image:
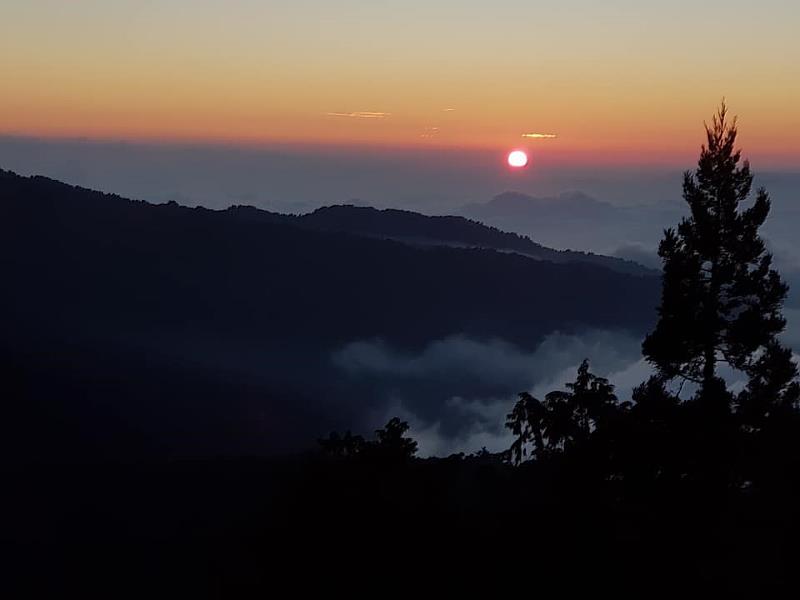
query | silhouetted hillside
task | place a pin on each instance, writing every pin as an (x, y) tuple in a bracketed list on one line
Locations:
[(183, 330), (418, 229)]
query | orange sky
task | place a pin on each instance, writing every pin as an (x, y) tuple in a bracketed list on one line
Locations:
[(620, 82)]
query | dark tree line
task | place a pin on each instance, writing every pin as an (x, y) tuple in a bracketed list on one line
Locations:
[(390, 444)]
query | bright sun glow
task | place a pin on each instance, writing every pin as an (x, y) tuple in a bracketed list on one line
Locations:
[(517, 159)]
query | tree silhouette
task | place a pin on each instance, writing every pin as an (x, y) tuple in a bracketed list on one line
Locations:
[(526, 421), (721, 300), (565, 420), (342, 446), (391, 444), (772, 390)]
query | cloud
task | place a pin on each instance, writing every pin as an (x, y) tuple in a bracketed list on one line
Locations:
[(791, 335), (495, 359), (540, 136), (448, 109), (433, 441), (360, 115), (639, 253), (455, 392)]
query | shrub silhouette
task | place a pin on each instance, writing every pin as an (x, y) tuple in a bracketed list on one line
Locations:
[(565, 420)]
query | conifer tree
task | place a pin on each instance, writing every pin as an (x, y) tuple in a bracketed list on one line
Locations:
[(721, 299)]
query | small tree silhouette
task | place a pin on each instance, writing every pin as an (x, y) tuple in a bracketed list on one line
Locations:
[(526, 421), (392, 443), (565, 420), (342, 446)]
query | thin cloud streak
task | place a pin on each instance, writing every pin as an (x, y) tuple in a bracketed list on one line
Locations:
[(360, 115), (540, 136)]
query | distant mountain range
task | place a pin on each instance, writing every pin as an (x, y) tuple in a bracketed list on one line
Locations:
[(576, 220), (130, 327), (568, 204)]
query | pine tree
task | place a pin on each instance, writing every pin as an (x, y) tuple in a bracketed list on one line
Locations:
[(721, 299)]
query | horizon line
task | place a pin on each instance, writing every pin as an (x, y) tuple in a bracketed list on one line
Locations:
[(612, 157)]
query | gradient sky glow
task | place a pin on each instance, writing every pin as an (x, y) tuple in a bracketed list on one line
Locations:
[(620, 80)]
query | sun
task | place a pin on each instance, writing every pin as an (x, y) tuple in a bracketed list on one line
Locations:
[(517, 159)]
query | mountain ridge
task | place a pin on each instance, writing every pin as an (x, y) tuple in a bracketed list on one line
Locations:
[(198, 332), (412, 227)]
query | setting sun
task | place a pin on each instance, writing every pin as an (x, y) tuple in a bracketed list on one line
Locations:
[(517, 159)]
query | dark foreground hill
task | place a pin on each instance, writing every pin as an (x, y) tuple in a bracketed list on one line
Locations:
[(131, 327), (241, 528)]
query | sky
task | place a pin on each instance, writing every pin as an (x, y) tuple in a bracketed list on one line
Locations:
[(617, 82)]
